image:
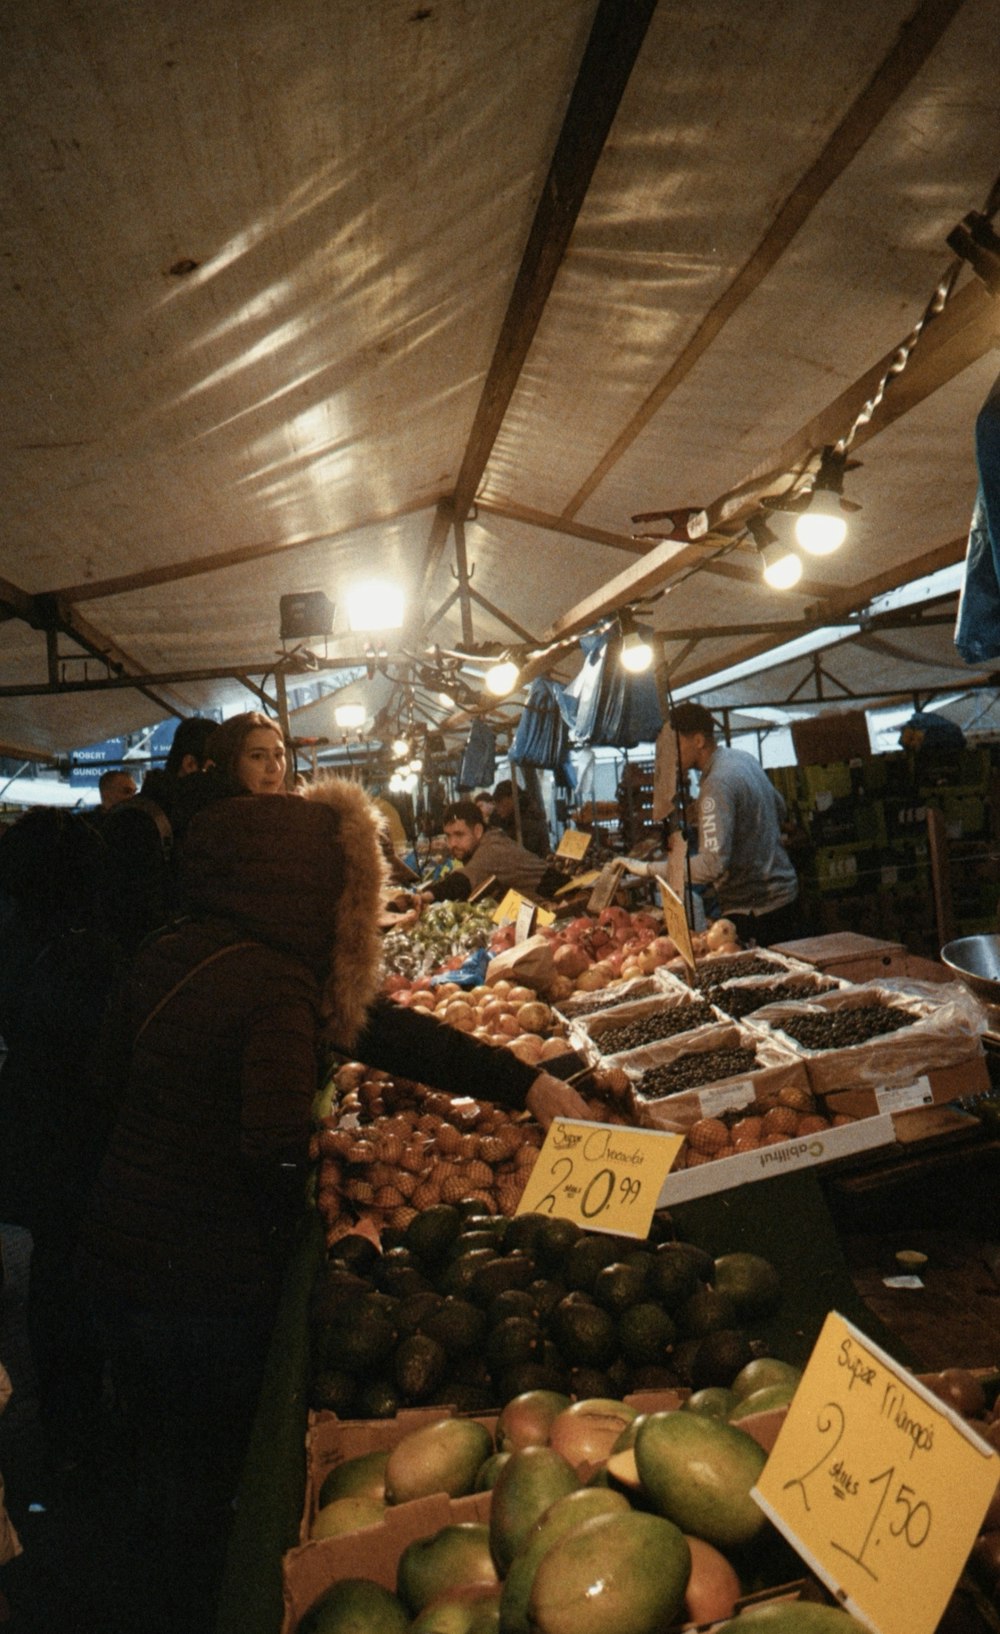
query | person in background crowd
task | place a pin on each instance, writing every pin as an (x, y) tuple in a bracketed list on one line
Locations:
[(114, 787), (534, 828), (490, 853), (139, 835), (740, 851), (57, 965), (484, 800), (194, 1208), (249, 751)]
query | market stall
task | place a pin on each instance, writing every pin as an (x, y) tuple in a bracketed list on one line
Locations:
[(406, 1304)]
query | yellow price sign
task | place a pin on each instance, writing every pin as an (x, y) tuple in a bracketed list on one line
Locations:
[(676, 920), (604, 1176), (508, 908), (574, 843), (878, 1485)]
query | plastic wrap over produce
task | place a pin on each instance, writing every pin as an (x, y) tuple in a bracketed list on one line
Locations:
[(880, 1035)]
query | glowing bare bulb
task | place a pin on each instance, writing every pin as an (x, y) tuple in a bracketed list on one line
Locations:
[(502, 678)]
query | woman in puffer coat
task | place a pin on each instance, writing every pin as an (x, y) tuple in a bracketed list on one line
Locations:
[(222, 1024)]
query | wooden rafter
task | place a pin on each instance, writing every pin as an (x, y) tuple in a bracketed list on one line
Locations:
[(616, 37), (966, 329), (917, 40)]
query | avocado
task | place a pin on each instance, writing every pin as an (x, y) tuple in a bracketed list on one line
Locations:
[(512, 1341), (456, 1557), (469, 1398), (554, 1240), (379, 1398), (514, 1270), (355, 1605), (512, 1302), (467, 1241), (705, 1311), (430, 1234), (413, 1311), (335, 1391), (615, 1574), (525, 1376), (532, 1479), (456, 1278), (618, 1286), (584, 1332), (418, 1367), (590, 1384), (562, 1517), (457, 1326), (672, 1276), (588, 1255), (444, 1456), (752, 1283), (546, 1295), (719, 1358), (698, 1471), (645, 1333), (524, 1231), (333, 1291), (355, 1253), (356, 1347)]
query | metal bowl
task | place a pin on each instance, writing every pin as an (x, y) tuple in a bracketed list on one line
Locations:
[(975, 960)]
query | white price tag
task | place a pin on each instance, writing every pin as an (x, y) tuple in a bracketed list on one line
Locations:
[(919, 1093)]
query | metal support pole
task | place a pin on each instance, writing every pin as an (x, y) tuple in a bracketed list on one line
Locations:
[(462, 567)]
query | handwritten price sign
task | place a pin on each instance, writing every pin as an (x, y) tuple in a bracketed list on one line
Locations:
[(879, 1485), (603, 1176)]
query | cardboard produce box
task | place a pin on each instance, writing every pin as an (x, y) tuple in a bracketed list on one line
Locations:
[(945, 1033), (746, 1168), (588, 1033), (849, 955), (777, 1067), (331, 1441)]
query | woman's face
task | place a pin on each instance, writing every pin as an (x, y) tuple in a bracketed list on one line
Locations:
[(260, 764)]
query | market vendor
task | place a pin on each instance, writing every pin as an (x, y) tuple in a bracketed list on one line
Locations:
[(740, 852), (489, 854)]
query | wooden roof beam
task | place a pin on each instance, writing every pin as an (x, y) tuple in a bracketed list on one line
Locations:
[(967, 328), (616, 38), (916, 41)]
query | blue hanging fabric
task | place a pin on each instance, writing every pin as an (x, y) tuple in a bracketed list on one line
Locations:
[(542, 736), (977, 627), (614, 709), (478, 767)]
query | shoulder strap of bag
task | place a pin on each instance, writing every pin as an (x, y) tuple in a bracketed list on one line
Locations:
[(210, 958)]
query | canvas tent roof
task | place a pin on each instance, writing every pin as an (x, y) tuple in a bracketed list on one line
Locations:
[(299, 294)]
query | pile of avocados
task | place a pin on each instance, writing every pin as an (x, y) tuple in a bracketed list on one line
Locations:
[(473, 1309)]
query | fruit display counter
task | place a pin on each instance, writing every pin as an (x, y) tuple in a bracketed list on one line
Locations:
[(418, 1292)]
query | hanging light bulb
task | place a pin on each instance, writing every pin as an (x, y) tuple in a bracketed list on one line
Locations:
[(502, 677), (780, 567), (636, 654), (821, 528), (401, 748), (416, 764), (349, 716), (375, 605)]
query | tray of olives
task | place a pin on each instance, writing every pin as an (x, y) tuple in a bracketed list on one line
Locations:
[(871, 1035), (615, 1036)]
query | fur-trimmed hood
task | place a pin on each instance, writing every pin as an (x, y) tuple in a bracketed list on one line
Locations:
[(303, 874)]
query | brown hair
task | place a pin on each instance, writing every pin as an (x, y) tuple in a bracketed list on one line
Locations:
[(225, 745)]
